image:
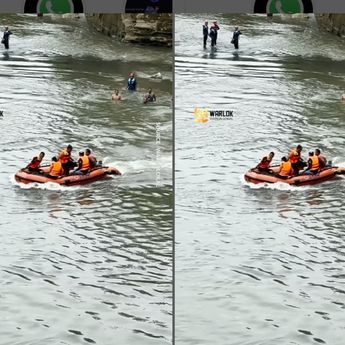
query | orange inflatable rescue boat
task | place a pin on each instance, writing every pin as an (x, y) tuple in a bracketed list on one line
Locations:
[(95, 174), (254, 176)]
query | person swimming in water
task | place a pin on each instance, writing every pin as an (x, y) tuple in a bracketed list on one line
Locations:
[(116, 95), (150, 97)]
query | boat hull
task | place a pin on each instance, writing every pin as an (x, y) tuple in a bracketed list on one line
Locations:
[(256, 177), (24, 176)]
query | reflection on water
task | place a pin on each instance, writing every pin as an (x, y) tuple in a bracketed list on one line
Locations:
[(258, 264), (88, 263)]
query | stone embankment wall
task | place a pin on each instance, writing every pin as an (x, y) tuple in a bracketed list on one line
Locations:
[(153, 29)]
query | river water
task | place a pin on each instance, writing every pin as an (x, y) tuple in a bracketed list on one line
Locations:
[(90, 264), (258, 264)]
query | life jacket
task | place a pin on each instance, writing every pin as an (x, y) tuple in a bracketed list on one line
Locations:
[(64, 156), (265, 164), (315, 165), (35, 163), (294, 156), (132, 84), (55, 169), (85, 163), (285, 168)]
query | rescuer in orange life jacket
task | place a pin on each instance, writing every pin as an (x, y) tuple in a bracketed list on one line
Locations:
[(322, 158), (313, 164), (56, 169), (264, 165), (83, 164), (296, 159), (34, 165), (285, 169), (65, 157), (92, 158)]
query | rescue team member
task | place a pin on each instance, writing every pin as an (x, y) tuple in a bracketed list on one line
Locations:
[(322, 158), (131, 83), (83, 164), (296, 159), (285, 169), (92, 158), (264, 165), (313, 164), (56, 169), (65, 157), (34, 165)]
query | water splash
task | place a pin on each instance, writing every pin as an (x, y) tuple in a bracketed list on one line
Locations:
[(43, 186)]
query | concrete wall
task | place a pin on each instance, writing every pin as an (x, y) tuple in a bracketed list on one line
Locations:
[(334, 23), (153, 29)]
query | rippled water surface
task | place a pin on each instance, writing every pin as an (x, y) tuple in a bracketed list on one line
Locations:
[(258, 265), (90, 264)]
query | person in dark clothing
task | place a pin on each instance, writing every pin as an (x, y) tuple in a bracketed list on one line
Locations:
[(212, 35), (6, 38), (149, 97), (215, 28), (132, 83), (205, 33), (235, 37)]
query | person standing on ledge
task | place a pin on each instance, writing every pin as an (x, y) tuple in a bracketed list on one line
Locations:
[(6, 38), (236, 37), (205, 33), (212, 35), (215, 28), (132, 83)]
